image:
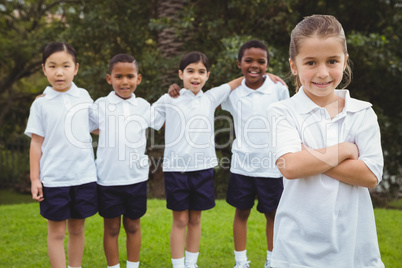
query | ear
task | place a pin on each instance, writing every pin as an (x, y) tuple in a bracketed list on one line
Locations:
[(139, 79), (208, 73), (44, 69), (76, 68), (293, 67), (181, 74), (346, 61), (109, 79), (239, 64)]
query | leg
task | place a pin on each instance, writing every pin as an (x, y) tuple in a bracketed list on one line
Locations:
[(55, 243), (240, 228), (194, 231), (111, 230), (76, 241), (133, 244), (270, 229), (177, 235)]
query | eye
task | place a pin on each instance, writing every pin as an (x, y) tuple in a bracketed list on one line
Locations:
[(263, 62), (118, 76), (310, 63), (130, 76), (332, 61)]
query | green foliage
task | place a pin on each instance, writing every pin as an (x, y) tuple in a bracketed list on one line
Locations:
[(100, 29), (24, 231)]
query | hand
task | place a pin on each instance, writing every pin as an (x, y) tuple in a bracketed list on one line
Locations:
[(40, 96), (276, 79), (37, 190), (174, 91)]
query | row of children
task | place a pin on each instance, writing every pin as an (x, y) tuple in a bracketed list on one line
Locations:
[(326, 145)]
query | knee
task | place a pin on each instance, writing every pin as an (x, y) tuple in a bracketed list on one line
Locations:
[(180, 222), (57, 235), (270, 215), (194, 220), (242, 214), (112, 229), (133, 227)]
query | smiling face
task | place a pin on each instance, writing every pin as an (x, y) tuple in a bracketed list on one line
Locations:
[(60, 70), (253, 65), (194, 76), (319, 65), (124, 79)]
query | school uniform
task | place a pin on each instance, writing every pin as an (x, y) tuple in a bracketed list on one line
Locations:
[(320, 221), (67, 160), (253, 163), (189, 145), (122, 165)]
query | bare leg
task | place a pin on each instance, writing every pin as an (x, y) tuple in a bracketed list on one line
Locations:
[(240, 228), (177, 235), (270, 229), (194, 231), (111, 230), (76, 241), (55, 243), (133, 244)]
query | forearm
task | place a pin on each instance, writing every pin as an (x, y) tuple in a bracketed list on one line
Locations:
[(309, 162), (235, 83), (353, 172), (35, 154)]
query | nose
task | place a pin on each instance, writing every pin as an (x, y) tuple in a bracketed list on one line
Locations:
[(59, 71), (322, 71)]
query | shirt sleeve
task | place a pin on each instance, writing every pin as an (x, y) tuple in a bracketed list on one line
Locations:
[(35, 121), (218, 94), (94, 116), (158, 113), (284, 133), (284, 93), (368, 140)]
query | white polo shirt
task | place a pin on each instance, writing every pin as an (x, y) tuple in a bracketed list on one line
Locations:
[(252, 153), (320, 221), (120, 157), (189, 130), (62, 118)]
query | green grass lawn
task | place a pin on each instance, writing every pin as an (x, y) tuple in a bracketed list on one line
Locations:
[(23, 237)]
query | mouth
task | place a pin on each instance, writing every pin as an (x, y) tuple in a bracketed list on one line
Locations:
[(323, 84), (195, 83), (254, 73)]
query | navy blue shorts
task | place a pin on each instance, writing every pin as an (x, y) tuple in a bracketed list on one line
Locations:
[(128, 200), (76, 202), (242, 191), (192, 190)]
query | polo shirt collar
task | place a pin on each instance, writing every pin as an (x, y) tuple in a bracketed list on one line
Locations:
[(265, 88), (113, 98), (305, 105), (189, 93), (50, 93)]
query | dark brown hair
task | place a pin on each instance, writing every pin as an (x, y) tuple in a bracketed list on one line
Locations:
[(194, 57), (57, 47)]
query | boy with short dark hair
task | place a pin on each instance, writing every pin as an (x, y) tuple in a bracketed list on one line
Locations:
[(253, 171)]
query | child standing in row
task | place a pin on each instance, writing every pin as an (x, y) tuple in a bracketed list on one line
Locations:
[(329, 150), (122, 166), (63, 174), (253, 171), (189, 155)]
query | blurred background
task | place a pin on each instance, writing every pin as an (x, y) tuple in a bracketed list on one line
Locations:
[(157, 33)]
